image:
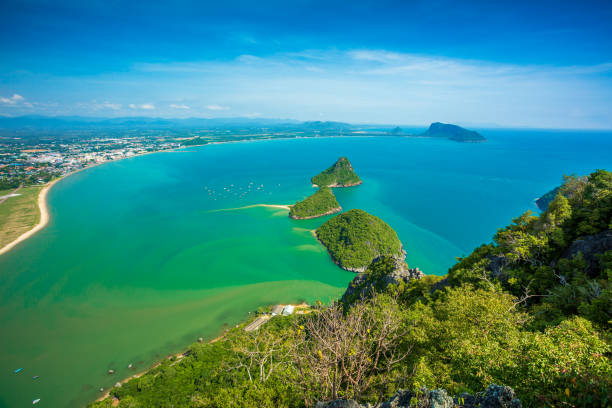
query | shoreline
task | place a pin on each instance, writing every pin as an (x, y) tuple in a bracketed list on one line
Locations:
[(43, 205), (330, 212), (42, 201), (246, 207), (340, 185), (180, 355), (42, 222)]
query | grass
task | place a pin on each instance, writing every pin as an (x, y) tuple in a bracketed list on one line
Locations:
[(18, 214)]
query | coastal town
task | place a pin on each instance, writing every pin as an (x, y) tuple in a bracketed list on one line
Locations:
[(26, 164)]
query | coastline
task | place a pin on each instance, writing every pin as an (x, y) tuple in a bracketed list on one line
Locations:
[(180, 355), (43, 204), (340, 185), (42, 222), (332, 211), (246, 207)]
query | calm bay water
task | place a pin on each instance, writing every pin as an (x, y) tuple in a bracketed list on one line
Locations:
[(137, 262)]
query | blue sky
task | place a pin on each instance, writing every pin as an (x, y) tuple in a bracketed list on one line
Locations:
[(479, 63)]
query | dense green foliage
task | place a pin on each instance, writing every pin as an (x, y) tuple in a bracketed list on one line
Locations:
[(321, 202), (525, 311), (532, 254), (338, 175), (196, 141), (355, 238)]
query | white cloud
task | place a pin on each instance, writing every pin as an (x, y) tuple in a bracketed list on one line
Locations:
[(113, 106), (217, 107), (13, 100), (145, 106), (175, 106)]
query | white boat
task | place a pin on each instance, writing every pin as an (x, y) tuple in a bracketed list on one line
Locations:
[(36, 401)]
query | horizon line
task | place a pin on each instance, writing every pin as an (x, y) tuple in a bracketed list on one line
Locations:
[(398, 124)]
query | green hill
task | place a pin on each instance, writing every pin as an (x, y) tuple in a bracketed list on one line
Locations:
[(355, 238), (322, 202), (453, 132), (341, 174), (530, 310)]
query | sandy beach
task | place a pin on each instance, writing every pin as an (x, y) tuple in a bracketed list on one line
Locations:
[(44, 218), (281, 206)]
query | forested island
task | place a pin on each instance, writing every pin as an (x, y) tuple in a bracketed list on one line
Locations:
[(340, 174), (453, 132), (322, 202), (355, 238), (531, 310)]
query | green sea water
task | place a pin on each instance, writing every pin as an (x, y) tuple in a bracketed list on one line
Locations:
[(138, 261)]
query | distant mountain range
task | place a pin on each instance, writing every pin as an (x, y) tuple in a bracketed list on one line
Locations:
[(60, 124)]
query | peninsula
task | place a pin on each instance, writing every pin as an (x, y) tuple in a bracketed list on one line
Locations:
[(341, 174), (453, 132), (355, 238), (322, 202)]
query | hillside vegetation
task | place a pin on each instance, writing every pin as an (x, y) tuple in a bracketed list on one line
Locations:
[(531, 310), (355, 238), (320, 203), (341, 174)]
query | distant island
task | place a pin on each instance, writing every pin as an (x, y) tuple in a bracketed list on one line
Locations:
[(322, 202), (453, 132), (355, 238), (341, 174)]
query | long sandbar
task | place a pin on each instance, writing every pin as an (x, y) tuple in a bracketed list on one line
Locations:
[(281, 206)]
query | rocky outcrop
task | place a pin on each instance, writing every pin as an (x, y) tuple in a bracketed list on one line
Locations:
[(495, 396), (496, 266), (398, 272), (590, 247)]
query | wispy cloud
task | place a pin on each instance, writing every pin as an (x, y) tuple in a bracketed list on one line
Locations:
[(15, 100), (217, 107), (364, 85), (144, 106), (112, 106)]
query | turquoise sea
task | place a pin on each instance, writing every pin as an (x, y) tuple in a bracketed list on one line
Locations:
[(138, 262)]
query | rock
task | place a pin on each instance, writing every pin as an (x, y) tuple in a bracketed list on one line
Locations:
[(424, 398), (340, 403), (200, 340), (496, 266), (117, 384), (101, 389), (401, 272), (590, 246), (495, 396), (396, 271)]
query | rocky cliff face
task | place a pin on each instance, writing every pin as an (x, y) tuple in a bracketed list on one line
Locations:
[(590, 247), (382, 272), (495, 396)]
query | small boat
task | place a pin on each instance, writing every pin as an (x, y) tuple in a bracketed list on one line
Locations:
[(36, 401), (36, 377), (17, 370)]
